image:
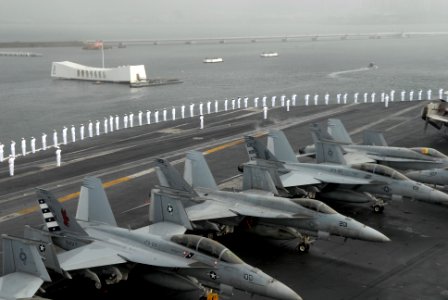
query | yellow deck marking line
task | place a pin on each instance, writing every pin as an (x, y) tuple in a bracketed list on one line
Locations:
[(29, 210), (229, 144)]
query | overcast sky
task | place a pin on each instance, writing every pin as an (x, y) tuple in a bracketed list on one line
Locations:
[(91, 19)]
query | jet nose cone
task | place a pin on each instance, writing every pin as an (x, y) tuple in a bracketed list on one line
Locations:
[(372, 235), (438, 197), (278, 290)]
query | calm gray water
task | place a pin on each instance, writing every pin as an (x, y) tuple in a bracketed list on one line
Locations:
[(31, 102)]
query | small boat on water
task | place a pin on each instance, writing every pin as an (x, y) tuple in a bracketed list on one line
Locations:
[(269, 54), (213, 60), (372, 65)]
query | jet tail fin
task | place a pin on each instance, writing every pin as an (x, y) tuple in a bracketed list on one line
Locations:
[(329, 153), (21, 255), (256, 150), (197, 172), (93, 205), (169, 177), (319, 134), (55, 216), (45, 246), (279, 145), (337, 130), (373, 138), (168, 206), (256, 177)]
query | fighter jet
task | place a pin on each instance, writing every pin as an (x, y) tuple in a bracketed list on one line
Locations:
[(436, 114), (23, 269), (421, 164), (98, 248), (334, 178), (268, 215)]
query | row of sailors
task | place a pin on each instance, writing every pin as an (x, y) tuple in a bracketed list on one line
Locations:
[(112, 123)]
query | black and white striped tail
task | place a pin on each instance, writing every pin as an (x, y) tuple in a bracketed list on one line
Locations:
[(50, 220)]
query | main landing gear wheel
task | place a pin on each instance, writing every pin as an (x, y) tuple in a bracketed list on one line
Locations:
[(378, 209), (303, 247), (304, 244)]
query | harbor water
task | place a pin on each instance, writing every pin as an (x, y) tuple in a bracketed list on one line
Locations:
[(31, 102)]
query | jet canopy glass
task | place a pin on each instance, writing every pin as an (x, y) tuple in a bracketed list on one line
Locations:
[(380, 170), (315, 205), (430, 152), (207, 246)]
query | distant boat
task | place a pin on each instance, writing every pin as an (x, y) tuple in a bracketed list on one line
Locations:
[(269, 54), (98, 45), (213, 60)]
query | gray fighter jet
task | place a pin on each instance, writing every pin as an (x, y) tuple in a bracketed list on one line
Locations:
[(98, 248), (435, 113), (337, 180), (268, 215), (421, 164), (23, 269)]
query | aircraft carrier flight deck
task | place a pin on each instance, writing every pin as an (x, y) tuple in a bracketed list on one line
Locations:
[(411, 266)]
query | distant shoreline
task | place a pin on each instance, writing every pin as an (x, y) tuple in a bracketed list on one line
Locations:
[(41, 44)]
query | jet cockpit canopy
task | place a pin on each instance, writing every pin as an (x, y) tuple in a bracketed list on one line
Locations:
[(431, 152), (207, 247), (380, 170), (315, 205)]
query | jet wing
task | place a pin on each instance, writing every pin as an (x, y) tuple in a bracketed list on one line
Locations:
[(95, 254), (435, 117), (208, 210), (19, 285), (299, 179), (258, 192), (163, 229), (399, 159), (358, 158), (337, 179)]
